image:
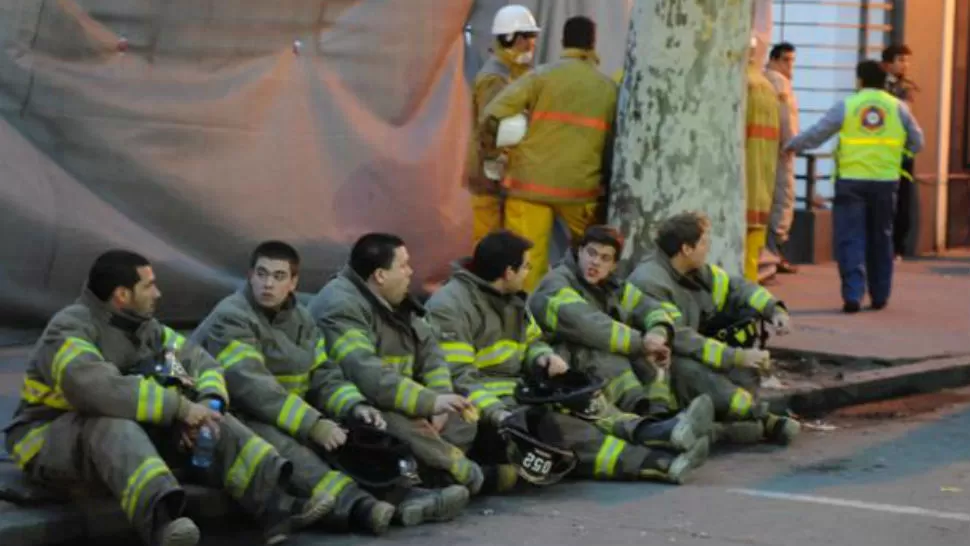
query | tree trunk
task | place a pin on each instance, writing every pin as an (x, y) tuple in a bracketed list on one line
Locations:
[(680, 123)]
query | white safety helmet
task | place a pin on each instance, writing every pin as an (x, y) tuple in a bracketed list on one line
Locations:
[(513, 18), (511, 131)]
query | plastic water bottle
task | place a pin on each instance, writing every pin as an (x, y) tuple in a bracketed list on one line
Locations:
[(205, 444)]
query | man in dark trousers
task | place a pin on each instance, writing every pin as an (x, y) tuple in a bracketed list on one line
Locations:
[(895, 61), (874, 129)]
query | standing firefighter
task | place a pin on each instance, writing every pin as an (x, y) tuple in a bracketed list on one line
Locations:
[(781, 64), (515, 31), (109, 390), (875, 129), (713, 314), (495, 349), (560, 167), (378, 334), (291, 394), (760, 161)]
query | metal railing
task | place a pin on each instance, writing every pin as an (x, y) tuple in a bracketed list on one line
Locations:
[(811, 178)]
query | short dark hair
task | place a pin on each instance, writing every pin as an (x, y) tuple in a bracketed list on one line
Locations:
[(604, 235), (112, 269), (871, 74), (685, 228), (276, 250), (579, 32), (895, 50), (780, 49), (497, 252), (374, 251)]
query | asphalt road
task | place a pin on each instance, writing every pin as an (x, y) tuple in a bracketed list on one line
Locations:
[(888, 474)]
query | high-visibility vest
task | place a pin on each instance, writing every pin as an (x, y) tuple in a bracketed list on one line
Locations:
[(872, 138)]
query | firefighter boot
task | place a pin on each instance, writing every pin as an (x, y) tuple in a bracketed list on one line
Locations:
[(738, 433), (499, 478), (372, 515), (424, 505), (675, 467), (682, 431), (285, 514), (781, 430), (179, 532)]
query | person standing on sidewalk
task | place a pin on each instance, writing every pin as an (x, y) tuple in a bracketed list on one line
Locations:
[(874, 128), (781, 62), (895, 61)]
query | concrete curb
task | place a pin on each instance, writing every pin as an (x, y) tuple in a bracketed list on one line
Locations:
[(873, 385)]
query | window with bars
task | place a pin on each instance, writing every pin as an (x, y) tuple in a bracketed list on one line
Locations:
[(830, 37)]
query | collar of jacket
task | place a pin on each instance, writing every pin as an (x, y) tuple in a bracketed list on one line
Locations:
[(507, 58), (410, 306), (692, 281), (461, 273), (271, 315), (125, 321), (609, 284), (587, 55)]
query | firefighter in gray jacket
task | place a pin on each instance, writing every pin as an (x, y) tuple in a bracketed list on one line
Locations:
[(291, 394), (107, 383), (377, 333)]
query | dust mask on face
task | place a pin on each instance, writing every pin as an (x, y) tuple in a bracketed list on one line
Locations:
[(524, 58)]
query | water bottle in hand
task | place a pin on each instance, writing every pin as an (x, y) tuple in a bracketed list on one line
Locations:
[(205, 444)]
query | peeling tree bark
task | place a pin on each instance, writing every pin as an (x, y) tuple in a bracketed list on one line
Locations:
[(680, 123)]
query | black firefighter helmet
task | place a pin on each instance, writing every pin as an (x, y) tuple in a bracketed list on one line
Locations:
[(375, 459), (537, 461), (577, 392), (744, 330)]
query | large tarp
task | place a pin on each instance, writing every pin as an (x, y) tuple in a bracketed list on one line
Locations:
[(190, 130)]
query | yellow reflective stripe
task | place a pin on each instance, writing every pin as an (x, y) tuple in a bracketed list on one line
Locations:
[(244, 466), (406, 397), (297, 384), (461, 470), (458, 352), (740, 403), (672, 310), (620, 337), (532, 332), (607, 457), (713, 352), (659, 391), (350, 341), (148, 470), (438, 378), (536, 350), (621, 384), (151, 397), (759, 299), (403, 364), (333, 483), (498, 353), (565, 296), (292, 414), (236, 352), (72, 348), (658, 317), (502, 387), (631, 298), (341, 398), (212, 382), (891, 142), (172, 339), (35, 392), (722, 283), (483, 399), (320, 354), (29, 446)]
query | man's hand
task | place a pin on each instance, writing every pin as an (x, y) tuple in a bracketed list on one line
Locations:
[(369, 415), (755, 359), (195, 415), (327, 434), (553, 363), (781, 323), (656, 349), (450, 403), (438, 422)]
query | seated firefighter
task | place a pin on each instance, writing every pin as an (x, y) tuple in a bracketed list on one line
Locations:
[(715, 315), (500, 361), (607, 327), (289, 392), (108, 393), (377, 333)]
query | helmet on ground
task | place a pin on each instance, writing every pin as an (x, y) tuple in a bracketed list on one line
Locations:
[(743, 331), (514, 18), (375, 459), (577, 392), (537, 461)]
